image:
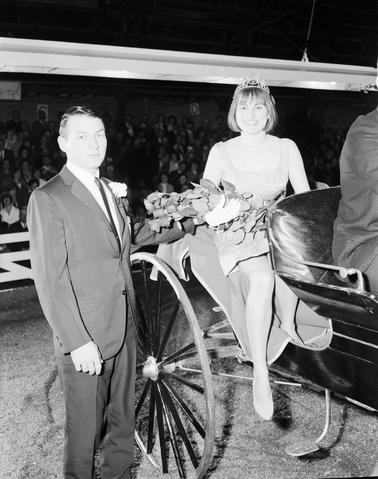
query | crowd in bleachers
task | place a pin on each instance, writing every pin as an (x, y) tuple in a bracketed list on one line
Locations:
[(166, 155)]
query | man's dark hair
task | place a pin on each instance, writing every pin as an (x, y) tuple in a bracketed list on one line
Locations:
[(76, 110)]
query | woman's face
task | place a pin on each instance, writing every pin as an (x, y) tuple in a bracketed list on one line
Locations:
[(251, 116)]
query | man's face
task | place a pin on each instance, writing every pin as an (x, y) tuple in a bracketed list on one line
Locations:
[(84, 141)]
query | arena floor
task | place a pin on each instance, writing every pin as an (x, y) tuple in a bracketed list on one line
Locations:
[(31, 415)]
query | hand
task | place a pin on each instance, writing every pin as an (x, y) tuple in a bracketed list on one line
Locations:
[(222, 214), (87, 358)]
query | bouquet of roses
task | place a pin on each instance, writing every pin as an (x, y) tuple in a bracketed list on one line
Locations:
[(201, 202)]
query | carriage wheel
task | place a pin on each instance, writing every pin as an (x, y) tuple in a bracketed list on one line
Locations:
[(175, 421)]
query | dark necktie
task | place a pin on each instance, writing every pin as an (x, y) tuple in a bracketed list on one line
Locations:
[(107, 206)]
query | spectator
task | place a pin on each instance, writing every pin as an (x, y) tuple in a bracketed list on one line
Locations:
[(6, 177), (9, 214), (164, 186), (33, 184), (21, 190), (39, 126), (37, 176), (193, 175), (48, 170), (174, 176), (5, 154), (19, 227), (183, 183)]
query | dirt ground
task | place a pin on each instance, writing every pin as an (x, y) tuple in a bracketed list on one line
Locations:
[(31, 416)]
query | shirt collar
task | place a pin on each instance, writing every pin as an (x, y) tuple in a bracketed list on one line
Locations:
[(81, 173)]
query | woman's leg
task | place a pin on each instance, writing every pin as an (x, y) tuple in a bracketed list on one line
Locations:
[(258, 312), (287, 303)]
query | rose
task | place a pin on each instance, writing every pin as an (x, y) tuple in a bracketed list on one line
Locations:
[(119, 190)]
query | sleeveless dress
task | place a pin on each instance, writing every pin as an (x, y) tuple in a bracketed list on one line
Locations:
[(266, 186)]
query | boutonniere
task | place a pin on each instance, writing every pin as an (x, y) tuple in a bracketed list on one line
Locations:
[(119, 190)]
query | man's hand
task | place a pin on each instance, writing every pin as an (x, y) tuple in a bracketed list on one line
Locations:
[(87, 358), (222, 214)]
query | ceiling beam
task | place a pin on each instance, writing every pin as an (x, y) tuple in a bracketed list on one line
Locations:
[(78, 59)]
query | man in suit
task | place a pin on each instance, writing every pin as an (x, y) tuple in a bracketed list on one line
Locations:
[(355, 242), (80, 242)]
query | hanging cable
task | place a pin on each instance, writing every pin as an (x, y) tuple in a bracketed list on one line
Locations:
[(305, 56)]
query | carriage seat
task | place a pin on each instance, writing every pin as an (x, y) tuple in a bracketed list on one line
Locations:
[(300, 230)]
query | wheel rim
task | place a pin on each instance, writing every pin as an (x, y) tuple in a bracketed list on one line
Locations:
[(175, 419)]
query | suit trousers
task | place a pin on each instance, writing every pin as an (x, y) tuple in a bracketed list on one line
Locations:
[(100, 407)]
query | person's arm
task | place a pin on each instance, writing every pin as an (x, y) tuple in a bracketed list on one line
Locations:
[(361, 150), (48, 254), (297, 174), (213, 169), (142, 235)]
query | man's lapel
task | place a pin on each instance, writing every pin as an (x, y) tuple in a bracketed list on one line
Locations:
[(83, 194)]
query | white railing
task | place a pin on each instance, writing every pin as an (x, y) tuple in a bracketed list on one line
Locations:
[(13, 271)]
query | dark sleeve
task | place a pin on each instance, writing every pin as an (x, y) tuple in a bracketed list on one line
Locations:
[(48, 255), (142, 235), (360, 150)]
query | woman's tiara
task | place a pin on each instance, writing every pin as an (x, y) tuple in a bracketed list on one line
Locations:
[(251, 83)]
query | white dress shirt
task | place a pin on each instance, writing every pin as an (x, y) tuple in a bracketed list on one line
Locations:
[(88, 181)]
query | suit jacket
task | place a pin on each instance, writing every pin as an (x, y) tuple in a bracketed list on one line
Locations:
[(80, 274), (356, 226)]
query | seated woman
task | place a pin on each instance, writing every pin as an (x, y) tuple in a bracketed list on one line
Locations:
[(258, 163), (355, 242)]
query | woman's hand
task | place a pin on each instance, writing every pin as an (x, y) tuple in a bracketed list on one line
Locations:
[(221, 213)]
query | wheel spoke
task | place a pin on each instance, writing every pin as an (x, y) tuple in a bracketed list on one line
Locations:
[(142, 329), (172, 436), (142, 398), (159, 414), (168, 332), (183, 406), (158, 313), (188, 383), (179, 354), (147, 299), (179, 425), (151, 421)]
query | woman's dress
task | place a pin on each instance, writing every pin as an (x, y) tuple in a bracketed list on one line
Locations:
[(213, 268), (267, 186)]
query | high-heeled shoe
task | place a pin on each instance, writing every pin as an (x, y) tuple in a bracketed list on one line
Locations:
[(264, 404), (290, 330)]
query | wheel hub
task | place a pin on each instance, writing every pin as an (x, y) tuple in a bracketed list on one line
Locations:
[(150, 368)]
